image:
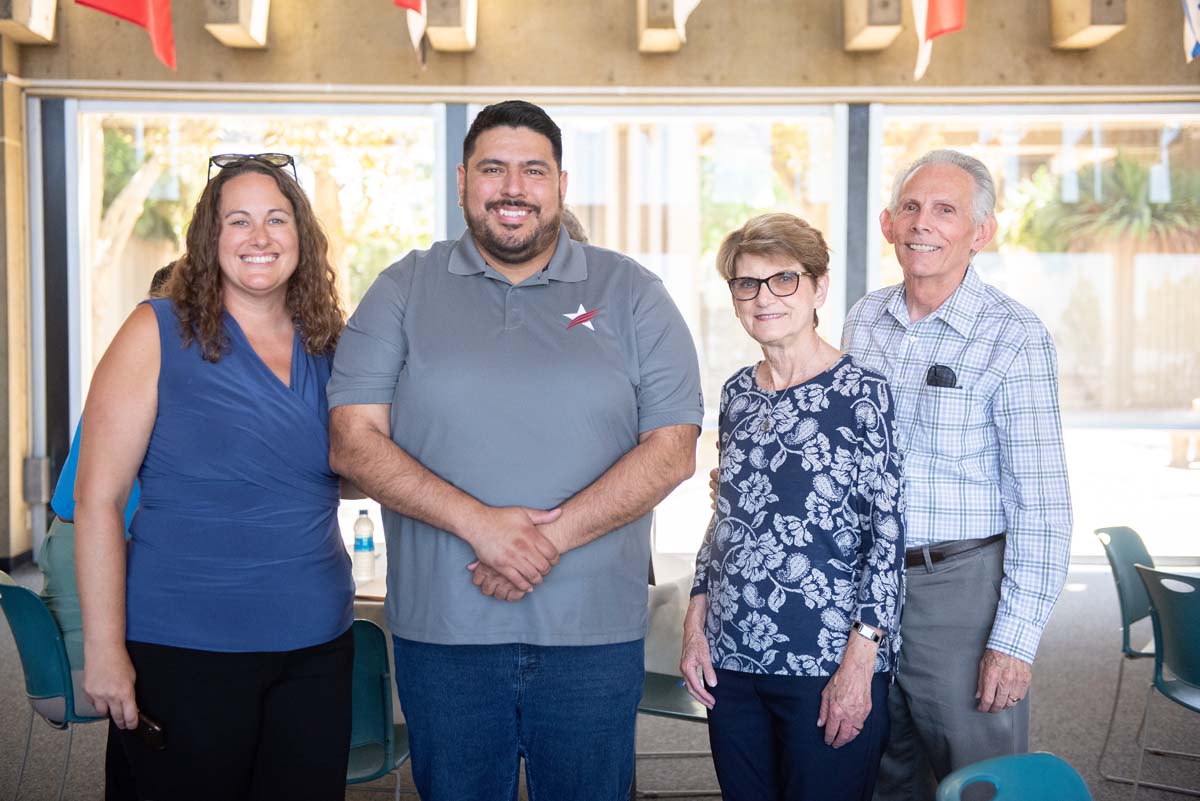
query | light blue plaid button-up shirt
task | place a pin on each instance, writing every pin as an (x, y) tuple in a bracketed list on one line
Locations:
[(985, 456)]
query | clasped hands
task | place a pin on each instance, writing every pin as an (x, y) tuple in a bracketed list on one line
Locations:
[(512, 552)]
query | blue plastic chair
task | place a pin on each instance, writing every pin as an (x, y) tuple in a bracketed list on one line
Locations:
[(1124, 549), (48, 684), (377, 745), (1175, 614), (1019, 777)]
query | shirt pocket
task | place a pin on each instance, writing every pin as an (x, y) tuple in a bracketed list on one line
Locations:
[(951, 420)]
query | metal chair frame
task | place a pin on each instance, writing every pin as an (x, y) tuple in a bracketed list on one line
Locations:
[(1124, 548), (1169, 631), (45, 666)]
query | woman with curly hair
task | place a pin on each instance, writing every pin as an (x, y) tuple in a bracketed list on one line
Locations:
[(227, 620), (792, 628)]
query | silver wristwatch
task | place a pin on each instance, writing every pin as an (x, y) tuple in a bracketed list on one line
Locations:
[(872, 633)]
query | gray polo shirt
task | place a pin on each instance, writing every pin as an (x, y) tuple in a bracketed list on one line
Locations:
[(520, 396)]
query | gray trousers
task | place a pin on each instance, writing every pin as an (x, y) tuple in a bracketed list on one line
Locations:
[(948, 612)]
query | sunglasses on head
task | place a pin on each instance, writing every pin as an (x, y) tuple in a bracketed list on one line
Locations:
[(276, 160)]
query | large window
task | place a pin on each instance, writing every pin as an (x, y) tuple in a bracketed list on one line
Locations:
[(370, 174), (1099, 229), (1099, 211), (665, 186)]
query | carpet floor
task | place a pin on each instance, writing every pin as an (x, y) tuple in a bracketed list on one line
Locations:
[(1074, 678)]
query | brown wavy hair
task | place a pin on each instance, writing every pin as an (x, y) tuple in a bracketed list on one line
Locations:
[(195, 286)]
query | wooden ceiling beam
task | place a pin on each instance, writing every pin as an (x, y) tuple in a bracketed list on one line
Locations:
[(1084, 24), (661, 24), (451, 24), (28, 21), (870, 24), (238, 23)]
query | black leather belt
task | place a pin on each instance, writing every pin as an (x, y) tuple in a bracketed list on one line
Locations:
[(915, 557)]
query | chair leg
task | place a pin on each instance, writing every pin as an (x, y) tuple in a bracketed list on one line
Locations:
[(1142, 749), (1137, 776), (397, 790), (62, 783), (1111, 719), (1177, 754), (25, 756), (1112, 777)]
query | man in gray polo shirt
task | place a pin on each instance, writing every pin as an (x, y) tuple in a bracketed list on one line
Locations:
[(518, 403)]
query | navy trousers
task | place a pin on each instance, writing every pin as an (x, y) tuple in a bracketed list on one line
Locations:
[(766, 744)]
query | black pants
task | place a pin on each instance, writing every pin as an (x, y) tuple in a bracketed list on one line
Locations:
[(766, 745), (242, 726)]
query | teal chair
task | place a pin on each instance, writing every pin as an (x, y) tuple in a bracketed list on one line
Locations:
[(664, 696), (377, 745), (1019, 777), (1175, 614), (48, 684), (1124, 549)]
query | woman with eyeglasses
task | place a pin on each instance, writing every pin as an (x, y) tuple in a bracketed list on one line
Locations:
[(792, 628), (220, 645)]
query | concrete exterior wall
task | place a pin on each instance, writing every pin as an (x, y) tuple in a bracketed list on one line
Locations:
[(573, 43)]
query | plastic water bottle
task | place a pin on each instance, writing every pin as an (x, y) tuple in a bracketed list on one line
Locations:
[(364, 547)]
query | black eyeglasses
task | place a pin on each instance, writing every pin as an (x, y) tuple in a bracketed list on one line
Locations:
[(781, 285), (277, 160)]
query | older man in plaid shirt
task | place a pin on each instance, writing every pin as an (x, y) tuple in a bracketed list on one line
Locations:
[(975, 379)]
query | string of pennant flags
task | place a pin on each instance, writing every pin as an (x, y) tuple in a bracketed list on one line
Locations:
[(933, 18)]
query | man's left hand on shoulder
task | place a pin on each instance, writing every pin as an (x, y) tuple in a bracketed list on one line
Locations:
[(1003, 681)]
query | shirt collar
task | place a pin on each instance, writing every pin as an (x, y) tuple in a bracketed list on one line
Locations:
[(895, 306), (569, 262), (959, 311), (962, 308)]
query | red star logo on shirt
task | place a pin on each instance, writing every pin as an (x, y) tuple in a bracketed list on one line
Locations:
[(581, 317)]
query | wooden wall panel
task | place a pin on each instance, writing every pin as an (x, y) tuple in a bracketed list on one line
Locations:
[(731, 43)]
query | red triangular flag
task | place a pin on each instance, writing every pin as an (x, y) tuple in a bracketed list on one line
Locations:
[(945, 16), (153, 15), (411, 5), (934, 18)]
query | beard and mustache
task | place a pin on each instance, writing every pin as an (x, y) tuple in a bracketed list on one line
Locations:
[(513, 247)]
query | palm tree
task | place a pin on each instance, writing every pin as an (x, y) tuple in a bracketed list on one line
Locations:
[(1122, 219)]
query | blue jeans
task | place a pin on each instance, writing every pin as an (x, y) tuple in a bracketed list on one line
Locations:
[(474, 711)]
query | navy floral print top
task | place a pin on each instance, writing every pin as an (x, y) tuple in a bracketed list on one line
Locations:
[(808, 535)]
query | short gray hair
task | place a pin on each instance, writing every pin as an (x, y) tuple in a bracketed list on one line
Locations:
[(984, 204)]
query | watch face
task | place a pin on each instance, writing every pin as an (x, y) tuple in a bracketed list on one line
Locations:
[(870, 632)]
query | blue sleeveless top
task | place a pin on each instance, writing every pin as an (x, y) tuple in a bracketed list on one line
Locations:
[(235, 546)]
